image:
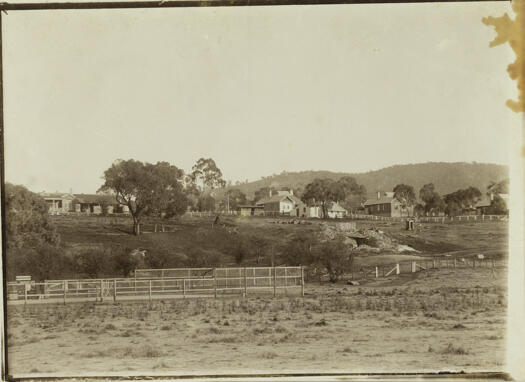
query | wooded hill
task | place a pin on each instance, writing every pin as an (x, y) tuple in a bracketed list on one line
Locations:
[(447, 177)]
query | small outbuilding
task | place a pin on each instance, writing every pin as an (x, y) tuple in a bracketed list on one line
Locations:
[(251, 210)]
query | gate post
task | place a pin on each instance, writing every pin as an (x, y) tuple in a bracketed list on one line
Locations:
[(397, 269), (377, 272), (413, 266)]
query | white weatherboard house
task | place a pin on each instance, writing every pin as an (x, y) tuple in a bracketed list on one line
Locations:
[(335, 211), (284, 203)]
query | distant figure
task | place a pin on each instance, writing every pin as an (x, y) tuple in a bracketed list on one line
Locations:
[(215, 221)]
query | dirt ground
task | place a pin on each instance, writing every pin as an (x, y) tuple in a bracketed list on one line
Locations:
[(449, 319)]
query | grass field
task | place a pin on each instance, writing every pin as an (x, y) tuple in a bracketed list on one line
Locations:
[(188, 234), (450, 319), (441, 319)]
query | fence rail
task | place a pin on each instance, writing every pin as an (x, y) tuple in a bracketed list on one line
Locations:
[(430, 219), (410, 266), (172, 283)]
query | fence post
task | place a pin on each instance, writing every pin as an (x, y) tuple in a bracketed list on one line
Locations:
[(25, 294), (302, 281), (285, 281), (215, 282), (413, 266), (114, 290), (274, 281), (454, 262), (377, 272), (245, 283), (64, 288), (101, 298), (433, 263), (397, 269), (150, 290), (183, 288)]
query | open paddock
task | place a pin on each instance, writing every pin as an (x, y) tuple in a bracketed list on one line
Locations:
[(443, 319)]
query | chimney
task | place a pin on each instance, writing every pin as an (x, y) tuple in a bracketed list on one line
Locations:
[(491, 196), (379, 194), (291, 192), (270, 192)]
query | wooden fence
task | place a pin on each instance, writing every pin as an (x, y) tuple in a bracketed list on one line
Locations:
[(405, 267), (430, 219), (176, 283)]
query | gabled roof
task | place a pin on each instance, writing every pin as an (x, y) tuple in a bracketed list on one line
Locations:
[(296, 199), (275, 199), (336, 207), (382, 200), (485, 201)]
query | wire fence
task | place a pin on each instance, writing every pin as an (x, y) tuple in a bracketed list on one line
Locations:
[(163, 283), (384, 270), (430, 219)]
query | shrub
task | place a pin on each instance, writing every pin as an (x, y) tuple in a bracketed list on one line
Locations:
[(92, 262), (199, 258), (298, 250), (335, 257)]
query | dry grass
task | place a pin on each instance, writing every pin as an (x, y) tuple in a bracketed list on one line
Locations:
[(404, 326)]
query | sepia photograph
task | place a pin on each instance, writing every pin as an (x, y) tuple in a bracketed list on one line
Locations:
[(256, 190)]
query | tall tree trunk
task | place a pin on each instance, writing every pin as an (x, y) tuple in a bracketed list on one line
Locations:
[(136, 226), (323, 207)]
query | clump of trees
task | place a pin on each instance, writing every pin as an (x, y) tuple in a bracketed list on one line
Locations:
[(204, 178), (32, 242), (405, 194), (432, 201), (460, 200), (333, 256), (327, 191), (146, 189), (235, 198)]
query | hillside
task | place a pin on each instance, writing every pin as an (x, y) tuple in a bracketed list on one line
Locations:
[(447, 177)]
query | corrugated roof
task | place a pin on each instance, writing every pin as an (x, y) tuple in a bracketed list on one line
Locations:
[(336, 207), (382, 200), (275, 199), (56, 195), (95, 198)]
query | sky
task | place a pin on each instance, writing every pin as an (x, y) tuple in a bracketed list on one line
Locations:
[(260, 90)]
